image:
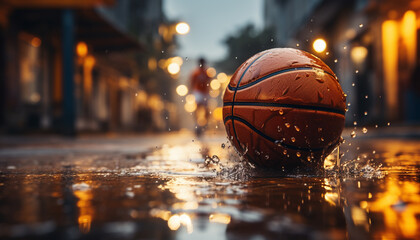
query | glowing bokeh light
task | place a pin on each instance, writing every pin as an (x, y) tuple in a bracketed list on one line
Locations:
[(211, 72), (182, 90), (174, 68), (81, 49), (190, 107), (222, 77), (182, 28), (215, 84), (319, 45), (358, 54), (190, 98)]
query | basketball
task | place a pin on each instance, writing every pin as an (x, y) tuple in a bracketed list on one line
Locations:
[(284, 108)]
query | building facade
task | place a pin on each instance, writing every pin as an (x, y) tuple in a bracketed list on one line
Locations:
[(72, 66), (372, 46)]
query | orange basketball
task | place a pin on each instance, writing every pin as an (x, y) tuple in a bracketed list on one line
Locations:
[(284, 108)]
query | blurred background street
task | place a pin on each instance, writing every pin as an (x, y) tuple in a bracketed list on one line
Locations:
[(98, 121)]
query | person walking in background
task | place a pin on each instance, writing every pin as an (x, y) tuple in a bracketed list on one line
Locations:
[(199, 82)]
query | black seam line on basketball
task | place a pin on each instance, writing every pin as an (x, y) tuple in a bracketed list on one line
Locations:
[(270, 138), (278, 73), (234, 95), (306, 107)]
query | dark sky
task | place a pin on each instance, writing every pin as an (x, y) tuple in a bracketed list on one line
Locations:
[(211, 21)]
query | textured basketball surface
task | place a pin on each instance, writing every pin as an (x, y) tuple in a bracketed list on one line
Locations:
[(284, 108)]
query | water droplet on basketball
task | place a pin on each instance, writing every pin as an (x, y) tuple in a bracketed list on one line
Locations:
[(293, 139), (285, 91), (297, 128), (320, 80), (353, 134), (298, 154), (284, 151), (297, 77), (287, 125), (320, 96), (223, 145), (281, 112)]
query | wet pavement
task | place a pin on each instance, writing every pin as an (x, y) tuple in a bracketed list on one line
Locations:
[(175, 186)]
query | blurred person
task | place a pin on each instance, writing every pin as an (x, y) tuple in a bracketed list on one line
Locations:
[(199, 84)]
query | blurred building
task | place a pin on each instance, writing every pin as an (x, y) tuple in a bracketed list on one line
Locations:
[(70, 66), (372, 45)]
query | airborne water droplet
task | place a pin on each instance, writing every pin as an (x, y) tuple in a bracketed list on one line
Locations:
[(364, 130), (366, 113), (297, 128), (355, 123), (284, 151), (322, 139), (287, 125), (223, 145), (298, 154), (353, 134)]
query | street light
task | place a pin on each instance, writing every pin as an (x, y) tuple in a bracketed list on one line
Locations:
[(182, 28), (319, 45)]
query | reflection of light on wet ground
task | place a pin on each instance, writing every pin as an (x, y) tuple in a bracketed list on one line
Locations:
[(83, 192), (171, 192)]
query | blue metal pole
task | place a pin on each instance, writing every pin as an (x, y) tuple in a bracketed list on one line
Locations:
[(69, 106)]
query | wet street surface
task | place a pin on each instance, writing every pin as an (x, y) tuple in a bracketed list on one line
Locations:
[(139, 188)]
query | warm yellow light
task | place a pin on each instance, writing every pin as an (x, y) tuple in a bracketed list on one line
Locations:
[(358, 54), (174, 68), (409, 36), (218, 114), (81, 49), (174, 222), (182, 28), (215, 84), (214, 93), (36, 42), (219, 218), (319, 45), (190, 107), (182, 90), (152, 64), (177, 60), (190, 98), (222, 77), (90, 61), (390, 67), (211, 72)]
